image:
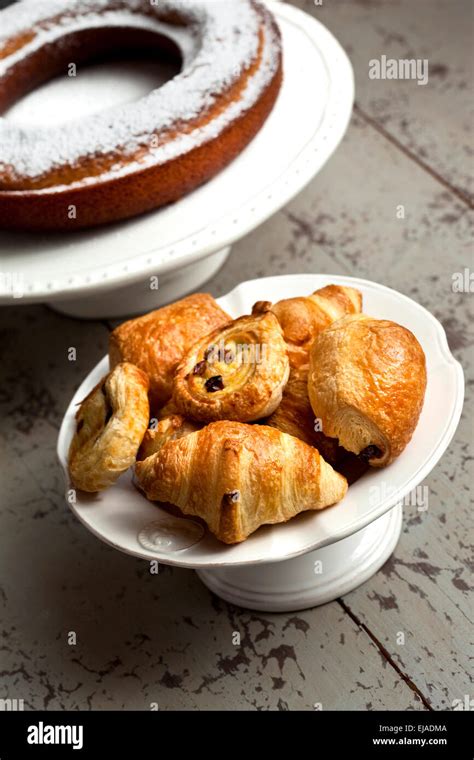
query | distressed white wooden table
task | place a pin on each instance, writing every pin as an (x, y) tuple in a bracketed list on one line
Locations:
[(402, 640)]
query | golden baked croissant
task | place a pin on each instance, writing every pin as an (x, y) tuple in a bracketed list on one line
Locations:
[(157, 341), (296, 417), (167, 429), (302, 318), (237, 477), (367, 383), (111, 422), (238, 372)]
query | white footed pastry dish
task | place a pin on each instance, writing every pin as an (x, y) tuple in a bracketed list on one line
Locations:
[(106, 272), (317, 556)]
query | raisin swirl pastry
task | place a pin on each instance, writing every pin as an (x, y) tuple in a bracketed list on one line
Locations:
[(367, 382), (303, 318), (237, 477), (110, 425), (238, 372)]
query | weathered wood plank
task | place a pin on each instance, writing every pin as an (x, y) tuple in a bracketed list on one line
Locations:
[(433, 121)]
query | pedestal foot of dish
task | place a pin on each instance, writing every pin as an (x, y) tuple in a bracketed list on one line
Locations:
[(313, 578), (141, 297)]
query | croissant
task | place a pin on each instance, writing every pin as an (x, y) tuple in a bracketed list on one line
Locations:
[(238, 372), (303, 318), (157, 341), (367, 383), (111, 422), (296, 417), (237, 477)]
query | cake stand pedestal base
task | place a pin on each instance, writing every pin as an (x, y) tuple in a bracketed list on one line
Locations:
[(140, 297), (313, 578)]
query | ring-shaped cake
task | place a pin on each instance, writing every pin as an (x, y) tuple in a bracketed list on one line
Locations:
[(138, 156)]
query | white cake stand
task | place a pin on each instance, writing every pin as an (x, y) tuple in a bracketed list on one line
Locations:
[(106, 272), (317, 556)]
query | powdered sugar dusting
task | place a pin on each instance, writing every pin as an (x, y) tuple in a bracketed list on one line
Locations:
[(220, 39)]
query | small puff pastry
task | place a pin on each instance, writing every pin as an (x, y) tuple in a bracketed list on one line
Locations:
[(367, 383), (296, 417), (303, 318), (237, 477), (167, 429), (157, 341), (238, 372), (111, 422)]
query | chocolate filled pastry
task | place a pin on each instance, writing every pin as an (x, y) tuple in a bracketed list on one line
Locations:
[(367, 383), (351, 466), (296, 417), (157, 341), (303, 318), (237, 477), (238, 372), (110, 425)]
